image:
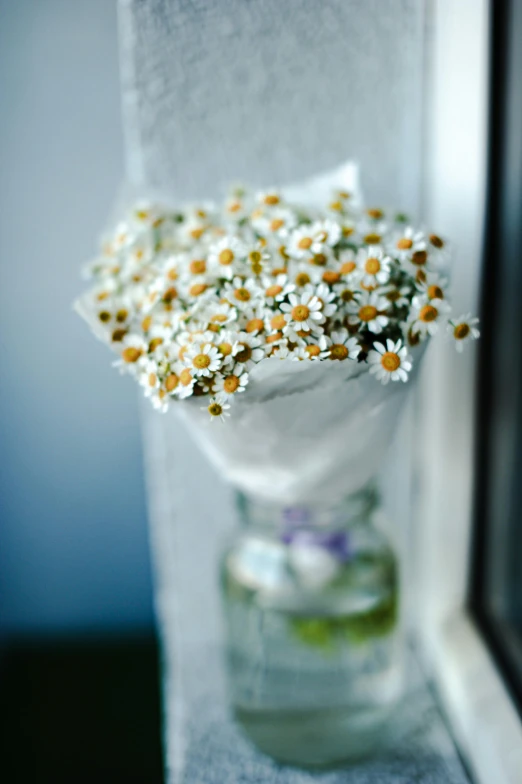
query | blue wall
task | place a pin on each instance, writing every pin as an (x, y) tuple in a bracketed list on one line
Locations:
[(73, 537)]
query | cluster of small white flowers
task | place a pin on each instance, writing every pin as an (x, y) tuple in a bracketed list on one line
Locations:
[(192, 300)]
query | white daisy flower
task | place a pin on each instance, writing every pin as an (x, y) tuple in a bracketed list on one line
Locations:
[(300, 242), (396, 296), (202, 359), (276, 288), (185, 387), (277, 222), (348, 268), (229, 385), (148, 377), (368, 311), (390, 362), (408, 242), (341, 345), (228, 346), (304, 311), (269, 198), (243, 294), (325, 233), (235, 208), (374, 265), (217, 409), (463, 330), (224, 256), (253, 319), (433, 286), (251, 349), (427, 315), (219, 314), (133, 349), (316, 346), (327, 298)]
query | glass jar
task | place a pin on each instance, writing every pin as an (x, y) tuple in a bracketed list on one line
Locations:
[(314, 648)]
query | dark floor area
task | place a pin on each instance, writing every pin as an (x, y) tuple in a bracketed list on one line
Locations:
[(80, 711)]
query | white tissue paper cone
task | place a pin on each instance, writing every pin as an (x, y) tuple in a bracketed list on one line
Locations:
[(303, 432)]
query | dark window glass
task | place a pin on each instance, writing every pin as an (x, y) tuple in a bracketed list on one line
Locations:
[(496, 584)]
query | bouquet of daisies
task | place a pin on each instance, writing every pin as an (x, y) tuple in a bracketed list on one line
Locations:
[(285, 312)]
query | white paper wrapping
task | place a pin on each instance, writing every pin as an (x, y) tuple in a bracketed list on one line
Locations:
[(303, 432)]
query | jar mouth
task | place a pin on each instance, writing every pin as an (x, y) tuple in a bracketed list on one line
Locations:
[(350, 509)]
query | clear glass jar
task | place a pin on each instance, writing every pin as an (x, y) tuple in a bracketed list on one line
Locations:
[(314, 648)]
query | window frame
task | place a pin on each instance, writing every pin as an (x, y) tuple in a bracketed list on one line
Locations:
[(473, 692)]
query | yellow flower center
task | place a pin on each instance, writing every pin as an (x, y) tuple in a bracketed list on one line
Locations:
[(154, 343), (185, 377), (319, 259), (348, 267), (234, 207), (122, 315), (367, 313), (372, 265), (170, 294), (215, 409), (302, 279), (245, 354), (226, 257), (435, 292), (300, 313), (104, 316), (276, 224), (201, 361), (428, 313), (172, 274), (197, 289), (220, 318), (118, 335), (102, 295), (242, 294), (145, 324), (372, 239), (338, 351), (376, 214), (196, 233), (305, 243), (254, 325), (436, 241), (390, 361), (273, 291), (413, 338), (274, 338), (171, 382), (131, 354), (278, 321), (336, 206), (331, 277), (313, 350), (225, 349), (348, 231), (393, 296), (255, 257), (152, 379), (198, 266), (461, 331), (271, 199), (230, 384), (404, 243), (419, 258), (347, 295)]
